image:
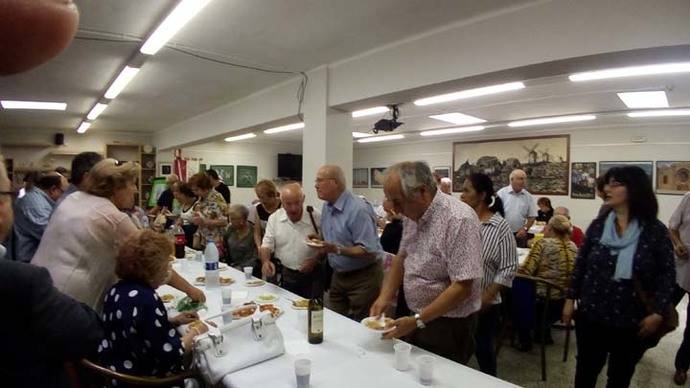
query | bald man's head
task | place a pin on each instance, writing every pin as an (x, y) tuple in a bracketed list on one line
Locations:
[(292, 198), (330, 182), (518, 180)]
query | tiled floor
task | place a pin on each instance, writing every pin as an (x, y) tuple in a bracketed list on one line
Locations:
[(655, 370)]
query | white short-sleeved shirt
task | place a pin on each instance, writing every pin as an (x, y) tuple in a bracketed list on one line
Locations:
[(288, 239), (680, 221), (518, 206)]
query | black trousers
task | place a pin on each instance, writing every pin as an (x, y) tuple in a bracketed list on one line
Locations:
[(305, 285), (597, 342), (484, 339), (683, 353)]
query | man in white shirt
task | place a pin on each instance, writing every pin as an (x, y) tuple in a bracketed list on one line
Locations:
[(286, 234), (520, 208)]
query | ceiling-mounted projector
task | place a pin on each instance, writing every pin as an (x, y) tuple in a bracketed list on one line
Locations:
[(388, 125)]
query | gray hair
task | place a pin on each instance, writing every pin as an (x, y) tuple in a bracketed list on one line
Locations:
[(562, 209), (413, 176), (240, 210), (336, 173)]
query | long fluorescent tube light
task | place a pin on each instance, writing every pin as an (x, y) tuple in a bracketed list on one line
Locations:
[(11, 104), (370, 111), (96, 111), (637, 100), (359, 135), (633, 71), (447, 131), (240, 137), (284, 128), (660, 113), (458, 118), (178, 18), (551, 120), (380, 138), (469, 93), (83, 127), (121, 81)]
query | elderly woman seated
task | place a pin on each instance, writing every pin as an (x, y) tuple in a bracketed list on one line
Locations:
[(239, 239), (140, 338)]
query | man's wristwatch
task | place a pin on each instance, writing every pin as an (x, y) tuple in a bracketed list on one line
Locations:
[(418, 320), (338, 250)]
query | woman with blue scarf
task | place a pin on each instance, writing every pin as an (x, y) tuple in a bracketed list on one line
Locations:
[(626, 249)]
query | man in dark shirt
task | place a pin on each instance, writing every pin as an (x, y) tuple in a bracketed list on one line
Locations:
[(220, 187)]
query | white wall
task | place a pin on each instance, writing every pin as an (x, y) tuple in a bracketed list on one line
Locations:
[(665, 142), (263, 155)]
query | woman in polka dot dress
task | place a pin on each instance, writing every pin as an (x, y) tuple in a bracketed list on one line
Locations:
[(140, 338)]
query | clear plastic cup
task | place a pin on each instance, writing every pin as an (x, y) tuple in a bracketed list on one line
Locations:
[(248, 273), (426, 369), (402, 355), (226, 293), (303, 372)]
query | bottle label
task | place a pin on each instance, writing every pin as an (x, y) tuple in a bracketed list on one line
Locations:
[(211, 265), (316, 322), (180, 239)]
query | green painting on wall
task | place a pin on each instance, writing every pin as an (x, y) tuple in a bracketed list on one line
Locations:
[(246, 176), (225, 173)]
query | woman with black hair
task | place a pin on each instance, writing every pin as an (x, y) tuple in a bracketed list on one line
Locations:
[(545, 211), (499, 256), (623, 281)]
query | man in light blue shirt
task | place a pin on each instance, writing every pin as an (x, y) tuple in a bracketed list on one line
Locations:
[(348, 225), (32, 213), (519, 206)]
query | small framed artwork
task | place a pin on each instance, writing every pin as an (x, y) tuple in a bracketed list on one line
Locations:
[(225, 173), (583, 176), (164, 169), (672, 177), (377, 174), (360, 177), (246, 176), (158, 186), (648, 167), (442, 171)]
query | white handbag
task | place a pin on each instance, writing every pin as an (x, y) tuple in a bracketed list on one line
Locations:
[(242, 343)]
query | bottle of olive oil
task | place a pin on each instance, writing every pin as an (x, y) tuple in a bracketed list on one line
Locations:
[(316, 319)]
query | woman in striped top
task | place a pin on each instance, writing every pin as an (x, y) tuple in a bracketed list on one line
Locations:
[(499, 255)]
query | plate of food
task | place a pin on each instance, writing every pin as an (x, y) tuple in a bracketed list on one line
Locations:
[(223, 280), (314, 243), (300, 304), (379, 324), (266, 298), (244, 311), (275, 311), (254, 283), (187, 304)]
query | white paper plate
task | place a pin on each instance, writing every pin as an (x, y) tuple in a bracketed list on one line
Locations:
[(314, 244), (266, 298), (254, 283), (384, 331)]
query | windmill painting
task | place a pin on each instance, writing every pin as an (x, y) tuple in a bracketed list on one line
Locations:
[(546, 160)]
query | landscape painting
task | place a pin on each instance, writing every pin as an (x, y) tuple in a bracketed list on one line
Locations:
[(360, 177), (377, 176), (583, 178), (648, 167), (672, 177), (546, 160)]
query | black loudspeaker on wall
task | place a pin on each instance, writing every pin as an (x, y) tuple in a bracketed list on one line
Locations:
[(59, 139)]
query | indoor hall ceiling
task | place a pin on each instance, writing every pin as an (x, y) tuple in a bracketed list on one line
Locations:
[(290, 35)]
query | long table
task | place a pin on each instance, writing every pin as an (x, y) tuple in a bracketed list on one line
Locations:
[(350, 355)]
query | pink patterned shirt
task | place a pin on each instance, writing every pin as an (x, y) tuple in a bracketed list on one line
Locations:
[(444, 246)]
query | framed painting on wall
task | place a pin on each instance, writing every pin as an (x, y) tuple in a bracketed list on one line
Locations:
[(545, 159), (377, 174), (442, 171), (583, 176), (648, 167), (672, 177), (360, 177), (225, 173), (246, 176), (164, 169), (158, 186)]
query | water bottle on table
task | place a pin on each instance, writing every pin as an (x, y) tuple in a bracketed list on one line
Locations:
[(211, 263)]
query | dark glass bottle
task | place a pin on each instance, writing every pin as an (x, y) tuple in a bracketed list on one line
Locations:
[(315, 333)]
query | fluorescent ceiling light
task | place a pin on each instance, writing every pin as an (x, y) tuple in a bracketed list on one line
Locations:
[(632, 71), (96, 111), (458, 118), (284, 128), (361, 134), (183, 13), (635, 100), (83, 127), (469, 93), (446, 131), (240, 137), (121, 81), (9, 104), (551, 120), (370, 111), (380, 138), (660, 113)]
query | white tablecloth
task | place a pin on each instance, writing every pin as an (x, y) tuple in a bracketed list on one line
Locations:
[(350, 356)]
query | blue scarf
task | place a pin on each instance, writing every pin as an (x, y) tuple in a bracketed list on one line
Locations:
[(623, 246)]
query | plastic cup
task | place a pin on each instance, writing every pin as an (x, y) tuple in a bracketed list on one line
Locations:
[(303, 372), (426, 370), (402, 355), (248, 273), (226, 293)]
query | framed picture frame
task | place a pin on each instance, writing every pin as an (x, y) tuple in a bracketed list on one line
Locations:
[(442, 171), (672, 177), (164, 169), (226, 173), (246, 176), (158, 186), (545, 160), (376, 174), (583, 177), (360, 177), (647, 166)]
